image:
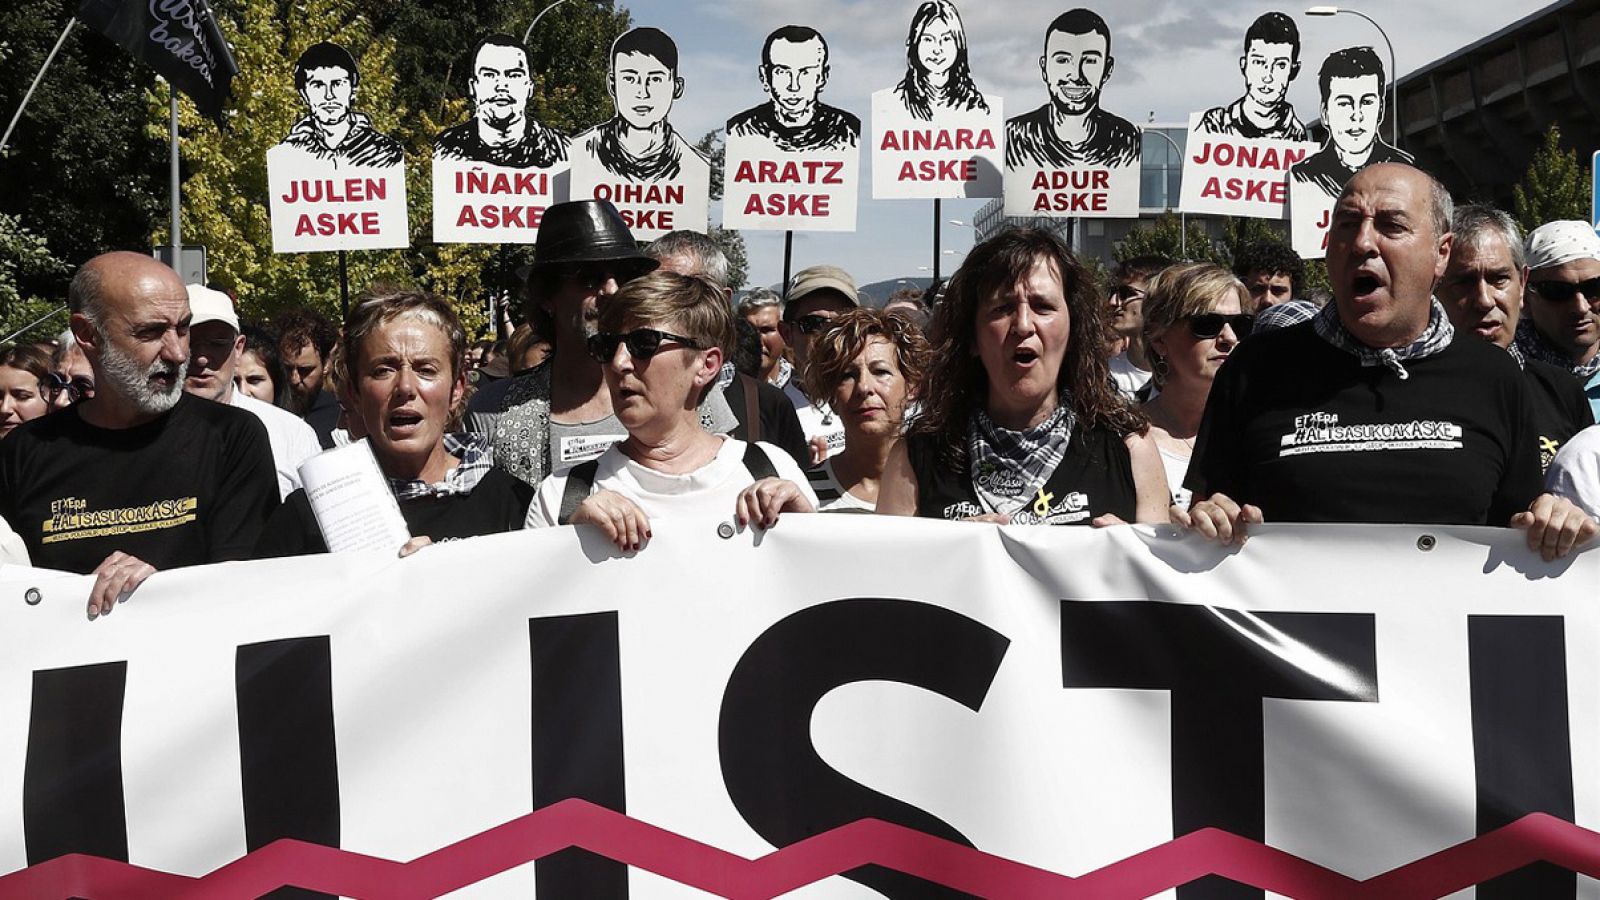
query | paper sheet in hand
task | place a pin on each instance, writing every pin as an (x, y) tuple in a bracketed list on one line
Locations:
[(351, 500)]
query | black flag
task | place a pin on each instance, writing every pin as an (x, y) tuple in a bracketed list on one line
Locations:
[(177, 38)]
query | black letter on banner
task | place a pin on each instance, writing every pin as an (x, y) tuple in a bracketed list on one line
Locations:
[(72, 779), (1218, 664), (288, 762), (577, 741), (1521, 744), (774, 775)]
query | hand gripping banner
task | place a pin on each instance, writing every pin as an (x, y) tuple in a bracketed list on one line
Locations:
[(844, 706)]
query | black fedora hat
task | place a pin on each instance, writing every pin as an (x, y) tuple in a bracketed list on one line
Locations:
[(588, 231)]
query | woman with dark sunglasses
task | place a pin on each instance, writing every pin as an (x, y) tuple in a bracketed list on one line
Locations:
[(660, 346), (1193, 318)]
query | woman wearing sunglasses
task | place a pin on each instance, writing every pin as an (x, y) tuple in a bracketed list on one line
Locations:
[(402, 378), (1193, 318), (1020, 421), (660, 346), (24, 386)]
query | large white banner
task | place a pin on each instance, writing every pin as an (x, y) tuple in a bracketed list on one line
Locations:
[(1024, 711)]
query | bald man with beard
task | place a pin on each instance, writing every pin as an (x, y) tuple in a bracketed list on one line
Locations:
[(144, 476)]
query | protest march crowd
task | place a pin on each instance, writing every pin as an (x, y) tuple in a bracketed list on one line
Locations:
[(1450, 378)]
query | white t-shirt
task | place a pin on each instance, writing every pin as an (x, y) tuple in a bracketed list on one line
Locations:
[(1575, 472), (1176, 467), (833, 496), (814, 421), (708, 491), (12, 550), (1129, 377), (293, 441)]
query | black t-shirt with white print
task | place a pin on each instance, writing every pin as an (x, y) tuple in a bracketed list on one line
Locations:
[(1304, 431)]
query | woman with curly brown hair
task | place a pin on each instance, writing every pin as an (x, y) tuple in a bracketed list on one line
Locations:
[(866, 365), (1020, 421)]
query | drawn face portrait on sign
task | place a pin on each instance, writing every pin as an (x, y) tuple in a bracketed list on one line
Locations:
[(1071, 129), (500, 85), (1270, 61), (793, 72), (326, 80), (937, 75), (1352, 107), (1076, 64), (643, 80)]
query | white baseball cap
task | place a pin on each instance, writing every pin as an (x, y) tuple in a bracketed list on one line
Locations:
[(207, 305)]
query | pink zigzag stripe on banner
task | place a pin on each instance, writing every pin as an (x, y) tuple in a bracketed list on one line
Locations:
[(578, 823)]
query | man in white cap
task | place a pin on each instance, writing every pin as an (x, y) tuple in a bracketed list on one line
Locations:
[(816, 295), (1563, 302), (215, 346)]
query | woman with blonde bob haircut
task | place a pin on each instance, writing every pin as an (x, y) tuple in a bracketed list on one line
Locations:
[(1193, 318), (661, 348), (1020, 422), (402, 378), (867, 366)]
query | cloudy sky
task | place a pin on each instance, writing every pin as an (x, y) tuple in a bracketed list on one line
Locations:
[(1171, 58)]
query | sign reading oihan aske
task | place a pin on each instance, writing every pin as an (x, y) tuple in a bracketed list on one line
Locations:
[(792, 163), (935, 134), (636, 160), (1025, 711), (495, 174), (335, 182), (1238, 155), (1353, 95), (1070, 157)]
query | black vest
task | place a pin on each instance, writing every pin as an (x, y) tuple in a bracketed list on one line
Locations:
[(1094, 478)]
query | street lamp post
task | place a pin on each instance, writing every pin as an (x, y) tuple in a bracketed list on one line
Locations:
[(1394, 70), (531, 25), (1183, 218)]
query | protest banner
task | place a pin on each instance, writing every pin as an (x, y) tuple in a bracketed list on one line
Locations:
[(1027, 712), (636, 160), (1232, 176), (792, 163), (935, 134)]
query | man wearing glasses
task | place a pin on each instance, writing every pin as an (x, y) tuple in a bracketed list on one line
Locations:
[(559, 414), (816, 295), (1130, 367), (71, 377), (1563, 302)]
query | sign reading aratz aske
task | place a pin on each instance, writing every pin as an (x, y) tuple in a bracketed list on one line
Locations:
[(1061, 699), (792, 163), (335, 182), (1070, 157), (935, 134), (636, 160), (496, 173)]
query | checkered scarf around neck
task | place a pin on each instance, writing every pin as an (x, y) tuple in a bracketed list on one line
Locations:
[(785, 372), (1533, 345), (1434, 339), (1007, 466), (474, 461)]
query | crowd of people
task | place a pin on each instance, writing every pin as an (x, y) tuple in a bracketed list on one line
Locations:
[(1450, 375)]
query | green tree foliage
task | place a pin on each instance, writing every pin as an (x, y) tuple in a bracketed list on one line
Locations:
[(1555, 186), (715, 148), (25, 258), (1165, 237), (80, 173)]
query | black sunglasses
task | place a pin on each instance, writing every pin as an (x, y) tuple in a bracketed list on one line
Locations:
[(1564, 291), (1208, 325), (591, 276), (1122, 295), (813, 323), (642, 343), (76, 389)]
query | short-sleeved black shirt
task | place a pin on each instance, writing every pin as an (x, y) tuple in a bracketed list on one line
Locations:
[(193, 486), (1304, 431)]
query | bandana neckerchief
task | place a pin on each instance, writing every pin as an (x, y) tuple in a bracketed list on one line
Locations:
[(475, 460), (785, 372), (1007, 466), (1434, 339), (1534, 346)]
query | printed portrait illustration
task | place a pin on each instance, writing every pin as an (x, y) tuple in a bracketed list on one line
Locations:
[(938, 78), (794, 70), (1270, 62), (1352, 85), (638, 143), (1071, 129), (500, 131), (327, 80)]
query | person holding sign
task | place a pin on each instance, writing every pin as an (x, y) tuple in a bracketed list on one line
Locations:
[(500, 132), (660, 345), (1020, 422), (1352, 86), (794, 70), (938, 78), (1271, 60), (1071, 129), (403, 375), (326, 78)]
